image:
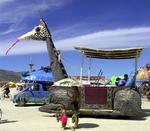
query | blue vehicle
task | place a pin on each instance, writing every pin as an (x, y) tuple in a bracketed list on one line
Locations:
[(33, 93), (36, 87)]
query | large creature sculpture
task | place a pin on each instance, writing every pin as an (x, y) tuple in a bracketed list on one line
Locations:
[(41, 32), (58, 95)]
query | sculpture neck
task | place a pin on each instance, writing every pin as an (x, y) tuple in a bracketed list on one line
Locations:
[(56, 64)]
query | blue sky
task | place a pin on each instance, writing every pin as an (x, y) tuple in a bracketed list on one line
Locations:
[(86, 23)]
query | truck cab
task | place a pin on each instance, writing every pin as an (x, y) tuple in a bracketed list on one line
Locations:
[(33, 93)]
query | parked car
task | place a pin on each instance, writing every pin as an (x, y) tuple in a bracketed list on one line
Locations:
[(33, 93)]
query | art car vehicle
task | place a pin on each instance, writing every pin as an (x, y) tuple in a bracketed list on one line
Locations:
[(90, 99), (108, 98), (96, 99)]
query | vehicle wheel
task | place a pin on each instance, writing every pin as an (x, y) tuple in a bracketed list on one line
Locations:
[(21, 102), (46, 102), (127, 102)]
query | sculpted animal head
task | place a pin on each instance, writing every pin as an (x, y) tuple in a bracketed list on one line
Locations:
[(39, 32)]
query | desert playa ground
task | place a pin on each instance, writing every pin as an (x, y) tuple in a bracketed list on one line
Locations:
[(29, 118)]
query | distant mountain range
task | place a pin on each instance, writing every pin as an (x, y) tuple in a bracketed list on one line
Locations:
[(6, 75)]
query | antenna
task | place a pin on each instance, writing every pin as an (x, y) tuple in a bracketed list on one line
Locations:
[(40, 14), (30, 65)]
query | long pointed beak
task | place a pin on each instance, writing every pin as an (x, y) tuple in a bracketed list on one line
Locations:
[(26, 36)]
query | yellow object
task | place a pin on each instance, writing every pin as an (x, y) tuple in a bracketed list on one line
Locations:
[(11, 84), (142, 74)]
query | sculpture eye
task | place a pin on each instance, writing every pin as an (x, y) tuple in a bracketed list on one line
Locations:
[(37, 29)]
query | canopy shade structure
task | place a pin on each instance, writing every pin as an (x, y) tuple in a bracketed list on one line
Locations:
[(126, 53)]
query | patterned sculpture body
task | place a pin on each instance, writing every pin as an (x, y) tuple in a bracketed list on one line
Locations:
[(57, 95), (41, 32)]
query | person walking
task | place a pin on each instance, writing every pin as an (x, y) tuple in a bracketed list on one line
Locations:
[(62, 117), (6, 91)]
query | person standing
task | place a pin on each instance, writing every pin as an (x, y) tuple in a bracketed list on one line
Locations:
[(6, 91), (62, 117), (122, 82)]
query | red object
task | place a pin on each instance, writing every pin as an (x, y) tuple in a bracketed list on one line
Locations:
[(63, 119), (12, 46), (95, 95)]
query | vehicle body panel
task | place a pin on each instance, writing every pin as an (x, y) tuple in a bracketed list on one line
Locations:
[(33, 93)]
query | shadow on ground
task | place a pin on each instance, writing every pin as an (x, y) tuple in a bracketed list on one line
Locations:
[(142, 117), (29, 105), (84, 125), (87, 125), (7, 121)]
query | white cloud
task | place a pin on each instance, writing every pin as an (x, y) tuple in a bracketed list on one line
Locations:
[(119, 38), (4, 1), (18, 12), (130, 37)]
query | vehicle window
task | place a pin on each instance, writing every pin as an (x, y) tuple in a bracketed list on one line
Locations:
[(45, 88), (47, 85), (35, 87)]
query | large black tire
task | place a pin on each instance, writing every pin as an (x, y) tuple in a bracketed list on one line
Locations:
[(21, 102), (127, 102)]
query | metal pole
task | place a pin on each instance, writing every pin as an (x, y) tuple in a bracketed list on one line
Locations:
[(81, 70), (30, 65), (89, 70), (136, 63)]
